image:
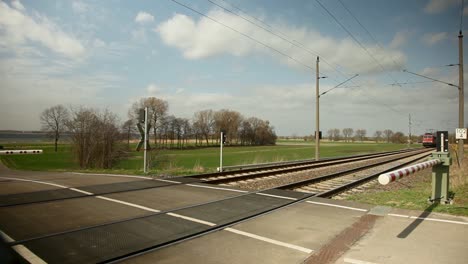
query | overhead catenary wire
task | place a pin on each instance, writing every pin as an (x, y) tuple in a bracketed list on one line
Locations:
[(270, 29), (245, 35), (368, 32), (354, 38)]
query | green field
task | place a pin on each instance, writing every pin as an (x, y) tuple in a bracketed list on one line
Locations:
[(177, 162)]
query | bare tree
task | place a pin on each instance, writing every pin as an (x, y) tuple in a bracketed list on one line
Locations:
[(95, 136), (128, 128), (157, 109), (378, 135), (54, 121), (388, 133), (335, 134), (203, 122), (229, 121), (398, 137), (347, 133), (361, 134)]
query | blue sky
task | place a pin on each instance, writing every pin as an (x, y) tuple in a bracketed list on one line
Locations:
[(108, 54)]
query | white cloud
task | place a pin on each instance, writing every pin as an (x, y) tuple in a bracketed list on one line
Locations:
[(399, 39), (433, 38), (17, 5), (80, 7), (205, 38), (18, 28), (98, 43), (153, 89), (438, 6), (143, 17)]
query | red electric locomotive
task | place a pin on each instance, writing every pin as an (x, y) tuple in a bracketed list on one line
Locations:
[(429, 140)]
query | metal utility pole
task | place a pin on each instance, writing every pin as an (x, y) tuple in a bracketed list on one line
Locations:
[(461, 99), (317, 129)]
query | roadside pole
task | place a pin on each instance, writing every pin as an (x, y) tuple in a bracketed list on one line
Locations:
[(317, 122), (461, 99), (221, 152), (146, 140)]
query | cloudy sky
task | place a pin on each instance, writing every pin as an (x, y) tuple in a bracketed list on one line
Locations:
[(256, 57)]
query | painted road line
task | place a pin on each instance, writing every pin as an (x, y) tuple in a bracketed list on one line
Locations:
[(356, 261), (129, 204), (338, 206), (277, 196), (22, 250), (6, 237), (216, 188), (166, 181), (115, 175), (269, 240), (430, 219), (81, 191), (192, 219), (41, 182), (28, 255), (265, 239)]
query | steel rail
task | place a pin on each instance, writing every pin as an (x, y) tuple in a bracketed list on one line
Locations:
[(289, 169), (302, 183)]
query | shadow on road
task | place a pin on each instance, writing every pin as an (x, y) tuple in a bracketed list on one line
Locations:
[(409, 229)]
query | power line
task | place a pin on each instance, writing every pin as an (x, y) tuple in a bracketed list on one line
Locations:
[(245, 35), (354, 38), (367, 31), (272, 30)]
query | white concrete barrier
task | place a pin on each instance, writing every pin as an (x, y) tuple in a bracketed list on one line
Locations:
[(392, 176), (20, 151)]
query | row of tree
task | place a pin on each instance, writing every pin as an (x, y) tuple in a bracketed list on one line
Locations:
[(349, 134), (205, 126), (95, 133)]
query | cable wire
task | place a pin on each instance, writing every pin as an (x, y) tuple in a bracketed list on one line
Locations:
[(245, 35), (354, 38)]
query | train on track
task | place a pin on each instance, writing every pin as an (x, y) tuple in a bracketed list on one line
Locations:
[(429, 140)]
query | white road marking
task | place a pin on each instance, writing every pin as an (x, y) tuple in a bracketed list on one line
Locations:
[(192, 219), (129, 204), (42, 182), (23, 251), (28, 255), (339, 206), (6, 237), (269, 240), (430, 219), (216, 188), (277, 196), (115, 175), (166, 181), (356, 261), (81, 191)]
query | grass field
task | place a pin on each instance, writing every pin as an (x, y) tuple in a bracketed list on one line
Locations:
[(190, 160)]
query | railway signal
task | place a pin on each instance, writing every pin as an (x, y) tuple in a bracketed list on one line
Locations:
[(143, 128)]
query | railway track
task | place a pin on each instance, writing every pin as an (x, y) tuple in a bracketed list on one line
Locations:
[(247, 176), (338, 182)]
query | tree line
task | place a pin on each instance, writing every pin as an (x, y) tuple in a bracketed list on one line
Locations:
[(96, 134), (351, 135)]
